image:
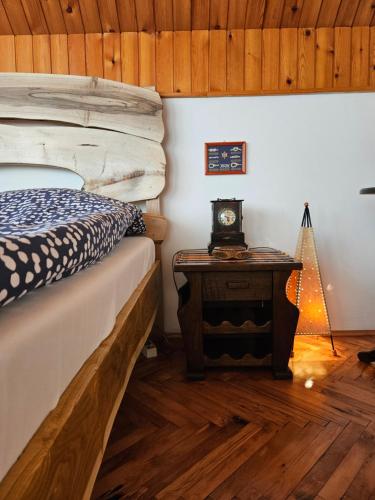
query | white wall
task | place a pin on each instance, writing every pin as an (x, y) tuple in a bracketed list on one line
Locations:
[(27, 177), (319, 148)]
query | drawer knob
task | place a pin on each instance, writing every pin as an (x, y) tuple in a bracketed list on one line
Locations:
[(237, 284)]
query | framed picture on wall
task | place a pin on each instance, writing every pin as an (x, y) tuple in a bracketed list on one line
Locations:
[(224, 158)]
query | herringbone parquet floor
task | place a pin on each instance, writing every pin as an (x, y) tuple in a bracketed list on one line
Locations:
[(242, 435)]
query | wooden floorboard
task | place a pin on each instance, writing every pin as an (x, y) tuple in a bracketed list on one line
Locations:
[(241, 435)]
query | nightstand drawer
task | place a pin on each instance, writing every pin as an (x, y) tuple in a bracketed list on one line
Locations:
[(255, 285)]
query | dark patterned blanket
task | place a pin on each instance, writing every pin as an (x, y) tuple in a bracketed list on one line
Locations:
[(48, 234)]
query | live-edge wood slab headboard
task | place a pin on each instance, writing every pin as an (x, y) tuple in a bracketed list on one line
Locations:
[(108, 132)]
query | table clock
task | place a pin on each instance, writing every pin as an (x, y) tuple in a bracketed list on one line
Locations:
[(226, 224)]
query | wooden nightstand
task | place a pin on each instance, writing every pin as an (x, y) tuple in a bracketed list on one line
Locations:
[(236, 313)]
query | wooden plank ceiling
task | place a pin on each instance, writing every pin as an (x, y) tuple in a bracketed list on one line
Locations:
[(22, 17)]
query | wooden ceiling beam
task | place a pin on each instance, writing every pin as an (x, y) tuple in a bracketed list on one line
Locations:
[(163, 15), (346, 13), (292, 13), (35, 17), (273, 13), (219, 14), (16, 17), (5, 27), (365, 13), (53, 16), (255, 14), (22, 17), (200, 14), (72, 16), (108, 16), (182, 15), (90, 16), (145, 15), (310, 13), (328, 13), (127, 15), (237, 10)]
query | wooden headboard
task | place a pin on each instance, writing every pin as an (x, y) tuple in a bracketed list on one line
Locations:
[(108, 132)]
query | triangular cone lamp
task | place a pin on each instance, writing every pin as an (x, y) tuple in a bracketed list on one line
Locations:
[(304, 288)]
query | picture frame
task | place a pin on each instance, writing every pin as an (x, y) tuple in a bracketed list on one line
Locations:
[(225, 158)]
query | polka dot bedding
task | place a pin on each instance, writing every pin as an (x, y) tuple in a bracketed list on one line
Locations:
[(49, 234)]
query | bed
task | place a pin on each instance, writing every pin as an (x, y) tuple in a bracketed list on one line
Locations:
[(68, 349)]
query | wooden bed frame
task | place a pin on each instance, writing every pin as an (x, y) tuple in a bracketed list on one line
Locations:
[(63, 457)]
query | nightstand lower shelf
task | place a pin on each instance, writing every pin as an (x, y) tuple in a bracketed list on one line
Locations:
[(247, 361), (237, 347)]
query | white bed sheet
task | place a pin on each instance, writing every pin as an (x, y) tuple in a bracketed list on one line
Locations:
[(47, 336)]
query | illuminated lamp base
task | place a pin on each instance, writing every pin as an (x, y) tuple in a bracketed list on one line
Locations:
[(304, 288)]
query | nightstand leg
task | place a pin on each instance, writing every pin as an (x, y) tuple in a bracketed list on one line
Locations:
[(285, 318), (190, 318)]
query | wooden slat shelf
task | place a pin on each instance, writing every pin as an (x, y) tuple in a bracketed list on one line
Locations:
[(226, 327), (262, 259), (246, 360)]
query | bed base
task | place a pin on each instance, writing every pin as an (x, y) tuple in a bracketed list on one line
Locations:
[(63, 458)]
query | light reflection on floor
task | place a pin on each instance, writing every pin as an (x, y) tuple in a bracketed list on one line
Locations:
[(313, 358), (309, 382)]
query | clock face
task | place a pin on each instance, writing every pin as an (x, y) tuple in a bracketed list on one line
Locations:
[(226, 217)]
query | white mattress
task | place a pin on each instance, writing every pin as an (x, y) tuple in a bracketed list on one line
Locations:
[(47, 336)]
